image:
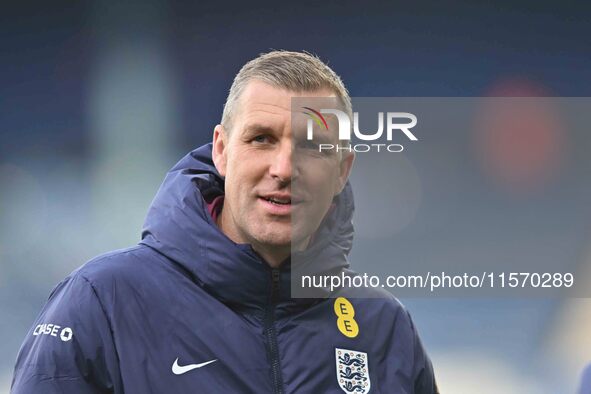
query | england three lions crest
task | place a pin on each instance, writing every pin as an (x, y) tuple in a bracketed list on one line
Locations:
[(352, 371)]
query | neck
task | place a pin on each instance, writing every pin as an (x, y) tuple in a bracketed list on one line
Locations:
[(274, 258), (273, 255)]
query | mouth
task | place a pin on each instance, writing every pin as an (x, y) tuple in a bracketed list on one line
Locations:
[(278, 201), (279, 204)]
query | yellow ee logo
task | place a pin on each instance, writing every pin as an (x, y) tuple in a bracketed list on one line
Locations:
[(346, 313)]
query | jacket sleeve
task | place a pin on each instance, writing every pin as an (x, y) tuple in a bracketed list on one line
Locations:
[(69, 348), (424, 376)]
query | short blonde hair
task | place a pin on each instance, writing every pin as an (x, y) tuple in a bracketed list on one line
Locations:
[(295, 71)]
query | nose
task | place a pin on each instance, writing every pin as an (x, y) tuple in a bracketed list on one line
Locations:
[(281, 168)]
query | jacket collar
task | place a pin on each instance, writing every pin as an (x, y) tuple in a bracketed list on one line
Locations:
[(179, 226)]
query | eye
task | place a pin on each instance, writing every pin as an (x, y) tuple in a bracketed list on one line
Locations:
[(308, 145), (261, 139)]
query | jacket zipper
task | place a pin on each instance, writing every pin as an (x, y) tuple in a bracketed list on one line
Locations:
[(270, 333)]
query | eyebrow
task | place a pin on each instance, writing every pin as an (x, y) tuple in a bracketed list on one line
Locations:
[(257, 127)]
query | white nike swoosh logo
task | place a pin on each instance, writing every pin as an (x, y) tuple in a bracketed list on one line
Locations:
[(181, 369)]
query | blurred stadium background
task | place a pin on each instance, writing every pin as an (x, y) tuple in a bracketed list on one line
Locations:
[(100, 99)]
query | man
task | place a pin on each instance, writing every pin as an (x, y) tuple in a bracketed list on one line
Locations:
[(203, 303)]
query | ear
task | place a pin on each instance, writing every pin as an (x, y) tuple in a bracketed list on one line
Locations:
[(219, 150), (344, 170)]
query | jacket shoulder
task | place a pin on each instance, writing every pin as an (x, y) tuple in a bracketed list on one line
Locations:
[(138, 270), (375, 301), (118, 262), (69, 348)]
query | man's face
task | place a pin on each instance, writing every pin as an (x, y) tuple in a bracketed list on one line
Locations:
[(262, 158)]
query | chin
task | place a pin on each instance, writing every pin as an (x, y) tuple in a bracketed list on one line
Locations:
[(276, 240), (279, 235)]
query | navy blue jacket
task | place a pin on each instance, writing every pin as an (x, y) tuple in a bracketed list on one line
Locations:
[(189, 311)]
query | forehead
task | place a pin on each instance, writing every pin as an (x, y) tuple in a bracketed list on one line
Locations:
[(260, 99)]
